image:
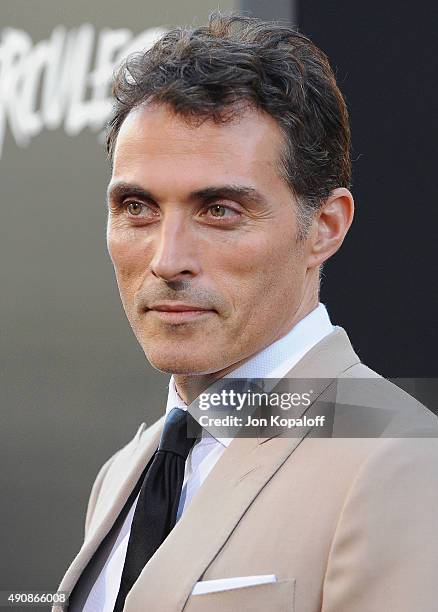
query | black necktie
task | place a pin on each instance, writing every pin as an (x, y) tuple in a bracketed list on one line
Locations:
[(157, 505)]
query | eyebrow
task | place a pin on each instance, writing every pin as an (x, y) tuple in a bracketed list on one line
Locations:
[(230, 192)]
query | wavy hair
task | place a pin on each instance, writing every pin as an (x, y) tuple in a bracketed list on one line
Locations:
[(216, 71)]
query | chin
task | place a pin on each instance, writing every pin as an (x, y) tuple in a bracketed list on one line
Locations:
[(179, 363)]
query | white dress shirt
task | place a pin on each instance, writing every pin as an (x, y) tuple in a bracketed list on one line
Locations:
[(274, 361)]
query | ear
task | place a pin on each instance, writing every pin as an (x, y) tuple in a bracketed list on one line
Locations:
[(330, 225)]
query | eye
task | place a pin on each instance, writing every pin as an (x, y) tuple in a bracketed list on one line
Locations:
[(220, 211), (141, 210), (217, 210), (134, 208)]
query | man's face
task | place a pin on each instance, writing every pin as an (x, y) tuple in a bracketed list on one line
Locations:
[(199, 217)]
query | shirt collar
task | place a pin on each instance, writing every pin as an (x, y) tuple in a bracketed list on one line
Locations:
[(275, 360)]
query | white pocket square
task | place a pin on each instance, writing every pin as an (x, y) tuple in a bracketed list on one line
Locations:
[(225, 584)]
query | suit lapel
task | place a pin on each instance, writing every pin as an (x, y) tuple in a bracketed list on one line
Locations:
[(318, 368), (327, 359), (235, 481), (237, 478), (131, 463)]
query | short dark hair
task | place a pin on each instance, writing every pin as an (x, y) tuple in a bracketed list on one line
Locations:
[(236, 61)]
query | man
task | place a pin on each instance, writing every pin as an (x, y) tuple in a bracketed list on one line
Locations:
[(230, 150)]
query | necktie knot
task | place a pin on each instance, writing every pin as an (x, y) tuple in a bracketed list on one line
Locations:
[(174, 438)]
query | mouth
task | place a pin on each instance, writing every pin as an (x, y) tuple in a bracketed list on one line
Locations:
[(179, 313)]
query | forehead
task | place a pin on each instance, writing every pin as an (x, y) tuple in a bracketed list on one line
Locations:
[(155, 143)]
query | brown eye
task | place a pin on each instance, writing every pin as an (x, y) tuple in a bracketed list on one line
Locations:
[(217, 210), (134, 208)]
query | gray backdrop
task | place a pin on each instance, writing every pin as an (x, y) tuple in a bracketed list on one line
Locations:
[(74, 383)]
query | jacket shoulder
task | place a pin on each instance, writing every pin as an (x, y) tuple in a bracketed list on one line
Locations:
[(384, 408)]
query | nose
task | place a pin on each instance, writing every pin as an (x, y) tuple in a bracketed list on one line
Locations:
[(175, 250)]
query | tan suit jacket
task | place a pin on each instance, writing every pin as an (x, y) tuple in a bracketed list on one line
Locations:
[(345, 524)]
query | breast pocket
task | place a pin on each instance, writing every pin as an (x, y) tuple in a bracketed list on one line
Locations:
[(272, 597)]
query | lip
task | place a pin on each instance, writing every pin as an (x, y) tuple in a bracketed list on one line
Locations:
[(179, 313), (178, 307)]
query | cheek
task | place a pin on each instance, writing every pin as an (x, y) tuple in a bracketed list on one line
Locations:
[(126, 254), (272, 254), (257, 271), (279, 280)]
